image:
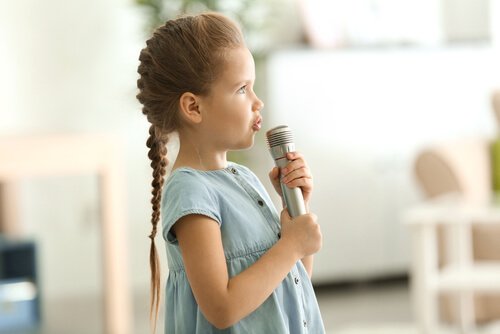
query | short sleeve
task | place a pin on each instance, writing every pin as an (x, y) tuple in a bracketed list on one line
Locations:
[(186, 193)]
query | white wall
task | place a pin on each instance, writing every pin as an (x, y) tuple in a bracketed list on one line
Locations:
[(69, 66), (361, 116), (466, 20)]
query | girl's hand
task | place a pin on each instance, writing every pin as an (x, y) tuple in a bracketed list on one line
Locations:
[(302, 232), (295, 174)]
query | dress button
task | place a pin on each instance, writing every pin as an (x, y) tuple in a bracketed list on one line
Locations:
[(233, 170), (305, 323), (260, 202), (296, 280)]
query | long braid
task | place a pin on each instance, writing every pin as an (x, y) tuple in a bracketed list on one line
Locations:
[(158, 155)]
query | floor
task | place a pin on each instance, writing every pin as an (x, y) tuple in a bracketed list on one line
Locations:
[(342, 306), (381, 307), (366, 304)]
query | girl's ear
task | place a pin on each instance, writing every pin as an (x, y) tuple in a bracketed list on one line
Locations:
[(189, 107)]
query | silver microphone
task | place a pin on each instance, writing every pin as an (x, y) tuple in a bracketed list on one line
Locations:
[(280, 142)]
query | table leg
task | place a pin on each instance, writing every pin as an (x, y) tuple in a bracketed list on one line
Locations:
[(425, 266), (117, 304), (10, 222)]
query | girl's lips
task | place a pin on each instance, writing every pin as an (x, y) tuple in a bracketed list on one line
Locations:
[(257, 124)]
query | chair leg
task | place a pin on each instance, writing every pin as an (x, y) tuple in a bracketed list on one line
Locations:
[(467, 312), (424, 294)]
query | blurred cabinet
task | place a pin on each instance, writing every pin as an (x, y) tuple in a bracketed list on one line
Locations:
[(19, 292)]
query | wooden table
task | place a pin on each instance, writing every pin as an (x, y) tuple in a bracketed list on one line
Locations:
[(22, 158)]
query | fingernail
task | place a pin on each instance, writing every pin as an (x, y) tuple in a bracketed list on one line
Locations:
[(284, 170)]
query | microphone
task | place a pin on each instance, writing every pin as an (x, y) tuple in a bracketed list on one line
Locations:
[(280, 142)]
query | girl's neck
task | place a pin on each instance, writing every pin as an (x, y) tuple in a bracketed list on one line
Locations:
[(198, 156)]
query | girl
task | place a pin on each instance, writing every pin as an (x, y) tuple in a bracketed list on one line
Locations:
[(235, 266)]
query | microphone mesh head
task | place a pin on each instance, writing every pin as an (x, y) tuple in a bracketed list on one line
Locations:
[(280, 135)]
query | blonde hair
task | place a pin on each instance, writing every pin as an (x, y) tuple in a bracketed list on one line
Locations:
[(184, 55)]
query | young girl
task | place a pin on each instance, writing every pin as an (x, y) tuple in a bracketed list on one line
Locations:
[(235, 266)]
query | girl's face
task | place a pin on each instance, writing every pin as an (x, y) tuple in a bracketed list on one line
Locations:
[(231, 111)]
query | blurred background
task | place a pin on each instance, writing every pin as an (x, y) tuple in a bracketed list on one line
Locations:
[(392, 102)]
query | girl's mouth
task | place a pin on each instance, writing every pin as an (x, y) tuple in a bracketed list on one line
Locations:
[(257, 124)]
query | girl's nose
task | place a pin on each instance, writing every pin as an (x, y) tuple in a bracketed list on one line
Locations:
[(258, 105)]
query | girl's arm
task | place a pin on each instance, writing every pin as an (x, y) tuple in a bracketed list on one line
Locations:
[(308, 262), (224, 300)]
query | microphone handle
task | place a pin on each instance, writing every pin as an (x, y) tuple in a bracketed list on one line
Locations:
[(294, 200)]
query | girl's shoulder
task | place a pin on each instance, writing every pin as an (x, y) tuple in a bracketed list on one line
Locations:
[(184, 177), (213, 179), (195, 178), (186, 185)]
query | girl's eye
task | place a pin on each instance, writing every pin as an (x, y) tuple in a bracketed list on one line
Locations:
[(242, 90)]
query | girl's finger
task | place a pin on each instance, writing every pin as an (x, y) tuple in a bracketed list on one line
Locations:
[(274, 173), (285, 216), (294, 155), (304, 183), (294, 165), (297, 174)]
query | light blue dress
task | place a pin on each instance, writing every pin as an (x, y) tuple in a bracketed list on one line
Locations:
[(249, 223)]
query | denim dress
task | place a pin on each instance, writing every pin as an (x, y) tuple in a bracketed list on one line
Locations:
[(249, 223)]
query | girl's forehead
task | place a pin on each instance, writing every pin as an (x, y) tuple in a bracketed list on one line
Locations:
[(238, 62)]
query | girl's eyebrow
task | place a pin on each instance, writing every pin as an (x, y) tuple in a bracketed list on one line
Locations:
[(243, 83)]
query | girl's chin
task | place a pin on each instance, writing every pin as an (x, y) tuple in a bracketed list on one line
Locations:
[(245, 145)]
